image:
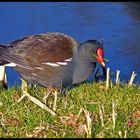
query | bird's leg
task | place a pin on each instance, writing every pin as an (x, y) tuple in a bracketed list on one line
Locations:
[(54, 92), (49, 90), (55, 99), (24, 87), (3, 78)]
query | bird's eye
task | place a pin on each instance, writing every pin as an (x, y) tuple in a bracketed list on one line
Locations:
[(93, 51)]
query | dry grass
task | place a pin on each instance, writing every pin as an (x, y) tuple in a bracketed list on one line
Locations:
[(88, 110)]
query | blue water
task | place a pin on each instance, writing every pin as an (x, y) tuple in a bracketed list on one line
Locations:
[(118, 23)]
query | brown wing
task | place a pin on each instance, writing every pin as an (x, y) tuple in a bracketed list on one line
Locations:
[(34, 50), (38, 49)]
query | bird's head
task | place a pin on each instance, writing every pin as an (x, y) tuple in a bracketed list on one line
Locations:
[(93, 51), (87, 55)]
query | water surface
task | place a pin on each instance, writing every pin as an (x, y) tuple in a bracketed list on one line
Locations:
[(118, 23)]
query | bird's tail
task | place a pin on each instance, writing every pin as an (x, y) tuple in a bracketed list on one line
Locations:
[(3, 79), (3, 49)]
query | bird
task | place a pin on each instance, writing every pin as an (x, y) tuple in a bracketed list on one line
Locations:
[(53, 59)]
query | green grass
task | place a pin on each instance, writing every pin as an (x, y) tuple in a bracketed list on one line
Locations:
[(26, 119)]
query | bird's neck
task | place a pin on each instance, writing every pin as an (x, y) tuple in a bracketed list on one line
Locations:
[(82, 70)]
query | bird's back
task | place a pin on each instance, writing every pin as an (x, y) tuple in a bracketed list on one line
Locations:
[(46, 58)]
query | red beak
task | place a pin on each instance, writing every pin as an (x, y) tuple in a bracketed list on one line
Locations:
[(100, 57)]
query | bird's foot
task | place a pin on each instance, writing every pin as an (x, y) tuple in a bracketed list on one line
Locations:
[(51, 91), (24, 87)]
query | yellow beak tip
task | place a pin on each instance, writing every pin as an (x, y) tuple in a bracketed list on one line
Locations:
[(103, 64)]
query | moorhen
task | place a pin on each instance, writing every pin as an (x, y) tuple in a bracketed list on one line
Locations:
[(52, 59)]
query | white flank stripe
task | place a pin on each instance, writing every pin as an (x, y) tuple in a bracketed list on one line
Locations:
[(62, 63), (51, 64), (58, 63), (2, 73), (68, 59), (10, 65), (34, 74), (39, 68)]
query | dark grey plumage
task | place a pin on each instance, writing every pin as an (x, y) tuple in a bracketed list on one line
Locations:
[(52, 59)]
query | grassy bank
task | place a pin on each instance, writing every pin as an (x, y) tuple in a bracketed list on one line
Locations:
[(88, 110)]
